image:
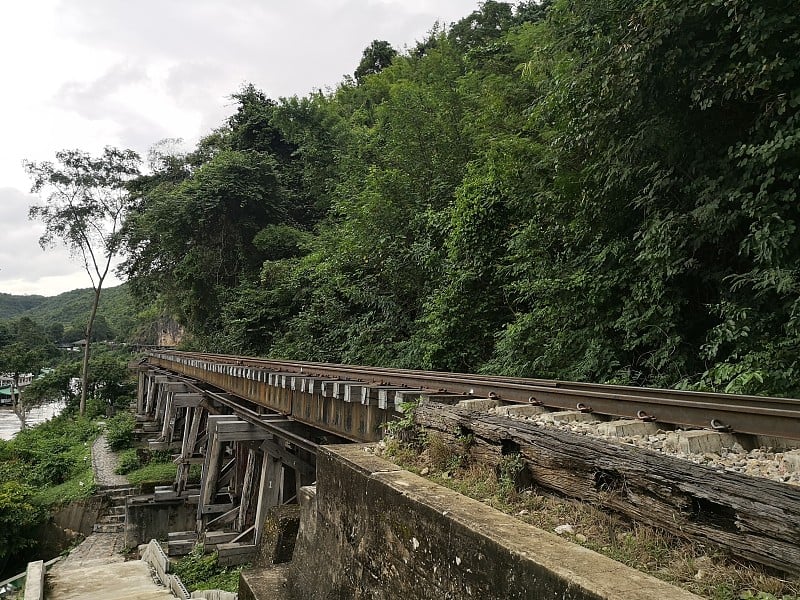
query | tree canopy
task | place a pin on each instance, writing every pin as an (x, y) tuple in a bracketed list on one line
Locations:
[(600, 191)]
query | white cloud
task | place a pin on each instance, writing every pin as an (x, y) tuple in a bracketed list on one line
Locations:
[(25, 268), (90, 73)]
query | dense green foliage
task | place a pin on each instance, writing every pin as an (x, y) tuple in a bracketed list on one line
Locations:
[(110, 385), (598, 191), (199, 571), (119, 431), (50, 453), (12, 306), (19, 516), (44, 465)]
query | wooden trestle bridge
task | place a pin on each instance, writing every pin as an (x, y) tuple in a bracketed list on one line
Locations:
[(255, 432), (255, 426)]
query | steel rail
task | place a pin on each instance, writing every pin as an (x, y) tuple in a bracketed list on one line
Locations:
[(758, 415), (359, 371)]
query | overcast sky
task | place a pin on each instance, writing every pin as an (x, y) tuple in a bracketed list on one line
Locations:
[(90, 73)]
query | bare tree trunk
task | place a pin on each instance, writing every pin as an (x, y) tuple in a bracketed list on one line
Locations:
[(86, 350)]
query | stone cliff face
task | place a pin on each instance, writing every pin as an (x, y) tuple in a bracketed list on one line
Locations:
[(170, 333)]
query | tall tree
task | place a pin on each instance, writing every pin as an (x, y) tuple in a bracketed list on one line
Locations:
[(86, 200), (375, 58)]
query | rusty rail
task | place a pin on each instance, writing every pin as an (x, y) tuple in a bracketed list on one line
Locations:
[(757, 415)]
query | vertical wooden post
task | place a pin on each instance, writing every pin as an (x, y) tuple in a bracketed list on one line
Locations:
[(270, 492), (141, 391), (151, 392), (166, 425), (247, 490), (211, 465), (160, 396), (208, 482)]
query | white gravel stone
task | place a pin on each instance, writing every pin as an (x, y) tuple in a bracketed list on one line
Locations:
[(730, 455), (564, 529)]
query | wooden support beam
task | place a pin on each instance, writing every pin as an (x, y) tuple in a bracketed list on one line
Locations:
[(244, 534), (226, 517), (187, 399), (210, 509), (208, 481), (175, 387), (240, 431), (151, 395), (269, 494), (211, 466), (141, 391), (226, 472), (161, 394), (188, 446), (289, 459), (166, 426), (751, 517), (247, 489)]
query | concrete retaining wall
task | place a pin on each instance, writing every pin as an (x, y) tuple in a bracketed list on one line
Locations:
[(371, 529), (148, 520), (80, 515)]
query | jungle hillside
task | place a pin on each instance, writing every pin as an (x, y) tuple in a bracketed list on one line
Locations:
[(599, 191)]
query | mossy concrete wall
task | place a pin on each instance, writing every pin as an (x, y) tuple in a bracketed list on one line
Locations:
[(67, 523), (80, 515), (373, 530), (148, 520)]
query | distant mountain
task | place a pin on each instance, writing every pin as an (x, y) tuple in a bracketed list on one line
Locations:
[(11, 306), (71, 309)]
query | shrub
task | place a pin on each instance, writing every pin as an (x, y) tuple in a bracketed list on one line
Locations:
[(119, 431), (19, 517), (200, 571), (128, 461)]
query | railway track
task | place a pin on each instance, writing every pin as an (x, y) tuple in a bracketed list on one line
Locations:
[(755, 415), (745, 503)]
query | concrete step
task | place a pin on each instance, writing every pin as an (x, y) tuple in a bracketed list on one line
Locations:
[(123, 581), (108, 527), (111, 519), (125, 487), (118, 499)]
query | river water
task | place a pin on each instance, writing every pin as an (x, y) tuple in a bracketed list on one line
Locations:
[(9, 423)]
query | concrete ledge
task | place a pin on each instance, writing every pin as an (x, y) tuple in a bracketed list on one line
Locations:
[(383, 530), (34, 581), (153, 554), (264, 584)]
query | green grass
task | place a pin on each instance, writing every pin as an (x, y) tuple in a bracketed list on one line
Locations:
[(80, 485), (160, 470), (154, 473), (128, 461)]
